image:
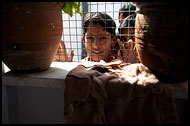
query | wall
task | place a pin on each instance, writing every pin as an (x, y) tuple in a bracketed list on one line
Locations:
[(35, 98)]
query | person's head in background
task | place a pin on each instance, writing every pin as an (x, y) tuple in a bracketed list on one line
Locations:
[(98, 35), (126, 10), (127, 29), (127, 36)]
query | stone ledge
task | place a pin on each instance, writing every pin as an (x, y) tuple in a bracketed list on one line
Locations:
[(54, 77)]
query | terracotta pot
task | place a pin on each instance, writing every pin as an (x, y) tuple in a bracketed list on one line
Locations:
[(31, 34), (161, 39)]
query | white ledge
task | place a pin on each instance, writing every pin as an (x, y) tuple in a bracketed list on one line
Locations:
[(53, 77)]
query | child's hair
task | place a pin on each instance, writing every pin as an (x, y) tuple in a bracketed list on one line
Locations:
[(128, 22), (127, 9), (99, 18)]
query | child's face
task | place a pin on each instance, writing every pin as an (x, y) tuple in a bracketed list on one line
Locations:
[(97, 42), (121, 19)]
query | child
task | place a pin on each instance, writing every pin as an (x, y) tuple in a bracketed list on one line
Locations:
[(99, 38), (126, 30), (126, 10)]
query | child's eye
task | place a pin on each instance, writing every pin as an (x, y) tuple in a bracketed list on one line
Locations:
[(103, 37), (90, 38)]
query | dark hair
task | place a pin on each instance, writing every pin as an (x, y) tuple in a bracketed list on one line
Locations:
[(99, 18), (127, 9), (127, 22)]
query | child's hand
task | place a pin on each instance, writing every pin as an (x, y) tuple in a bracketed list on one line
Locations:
[(127, 51), (131, 51), (122, 52), (62, 55), (130, 46)]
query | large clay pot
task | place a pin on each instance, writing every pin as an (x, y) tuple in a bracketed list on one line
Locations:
[(161, 39), (32, 32)]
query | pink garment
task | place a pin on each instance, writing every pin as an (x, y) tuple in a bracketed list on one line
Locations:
[(116, 92)]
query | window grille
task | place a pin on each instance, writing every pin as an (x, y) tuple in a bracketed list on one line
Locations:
[(73, 26)]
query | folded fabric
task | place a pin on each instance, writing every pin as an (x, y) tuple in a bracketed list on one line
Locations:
[(116, 92)]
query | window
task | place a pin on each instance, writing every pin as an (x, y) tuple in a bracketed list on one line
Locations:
[(73, 26)]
